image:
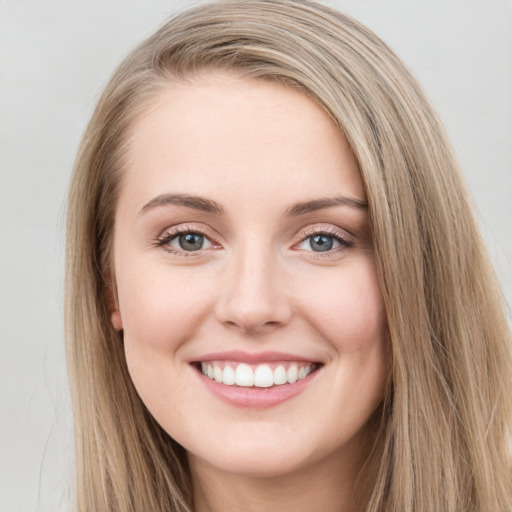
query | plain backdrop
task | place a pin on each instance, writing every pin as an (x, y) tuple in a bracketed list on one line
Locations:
[(55, 57)]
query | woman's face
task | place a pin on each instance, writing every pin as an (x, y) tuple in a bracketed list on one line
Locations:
[(242, 250)]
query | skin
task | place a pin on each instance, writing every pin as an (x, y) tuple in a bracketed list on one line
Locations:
[(256, 149)]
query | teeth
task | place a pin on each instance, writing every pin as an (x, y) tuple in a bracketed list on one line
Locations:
[(244, 375), (229, 376), (280, 376), (292, 374), (261, 376), (217, 374)]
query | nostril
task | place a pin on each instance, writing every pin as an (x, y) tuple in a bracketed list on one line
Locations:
[(253, 302), (252, 327)]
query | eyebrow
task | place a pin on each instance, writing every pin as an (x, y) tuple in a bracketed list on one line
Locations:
[(326, 202), (189, 201)]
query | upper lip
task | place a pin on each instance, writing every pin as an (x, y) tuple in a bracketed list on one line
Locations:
[(251, 357)]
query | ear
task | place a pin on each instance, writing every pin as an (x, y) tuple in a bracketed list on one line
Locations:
[(116, 320), (113, 303)]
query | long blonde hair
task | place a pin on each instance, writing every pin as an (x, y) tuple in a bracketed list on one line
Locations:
[(441, 433)]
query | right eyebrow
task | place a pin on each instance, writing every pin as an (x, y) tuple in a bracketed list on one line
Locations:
[(189, 201)]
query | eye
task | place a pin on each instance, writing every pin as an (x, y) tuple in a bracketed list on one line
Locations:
[(184, 240), (321, 242), (324, 240), (190, 241)]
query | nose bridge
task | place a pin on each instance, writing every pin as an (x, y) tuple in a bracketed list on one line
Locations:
[(252, 298)]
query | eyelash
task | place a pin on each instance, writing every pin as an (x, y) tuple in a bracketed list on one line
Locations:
[(330, 231), (164, 240)]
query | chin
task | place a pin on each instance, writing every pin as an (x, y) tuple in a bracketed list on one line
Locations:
[(262, 462), (262, 456)]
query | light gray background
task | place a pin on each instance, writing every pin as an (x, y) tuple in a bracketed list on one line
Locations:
[(55, 56)]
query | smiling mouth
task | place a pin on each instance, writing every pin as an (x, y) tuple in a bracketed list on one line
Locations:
[(265, 375)]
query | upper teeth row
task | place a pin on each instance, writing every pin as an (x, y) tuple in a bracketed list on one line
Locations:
[(262, 376)]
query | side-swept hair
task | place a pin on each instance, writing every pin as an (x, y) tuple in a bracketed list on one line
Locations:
[(441, 433)]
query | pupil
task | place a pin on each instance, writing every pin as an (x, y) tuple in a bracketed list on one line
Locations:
[(191, 241), (321, 243)]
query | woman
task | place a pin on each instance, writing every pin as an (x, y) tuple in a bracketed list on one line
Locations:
[(277, 294)]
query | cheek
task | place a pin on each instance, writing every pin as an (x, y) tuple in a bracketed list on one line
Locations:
[(348, 309), (349, 316), (161, 312)]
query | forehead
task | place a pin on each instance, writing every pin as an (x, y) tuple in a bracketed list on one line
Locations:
[(220, 133)]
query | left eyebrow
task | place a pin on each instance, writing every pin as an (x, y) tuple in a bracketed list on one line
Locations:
[(326, 202)]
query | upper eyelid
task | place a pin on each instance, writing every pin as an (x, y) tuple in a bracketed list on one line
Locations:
[(327, 229), (188, 228)]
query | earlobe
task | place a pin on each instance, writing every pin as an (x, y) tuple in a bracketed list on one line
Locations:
[(117, 321), (113, 304)]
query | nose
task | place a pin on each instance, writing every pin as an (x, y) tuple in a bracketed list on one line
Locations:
[(253, 298)]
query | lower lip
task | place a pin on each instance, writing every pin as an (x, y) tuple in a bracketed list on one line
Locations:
[(256, 397)]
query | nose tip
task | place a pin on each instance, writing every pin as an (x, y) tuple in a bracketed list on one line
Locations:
[(253, 301)]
